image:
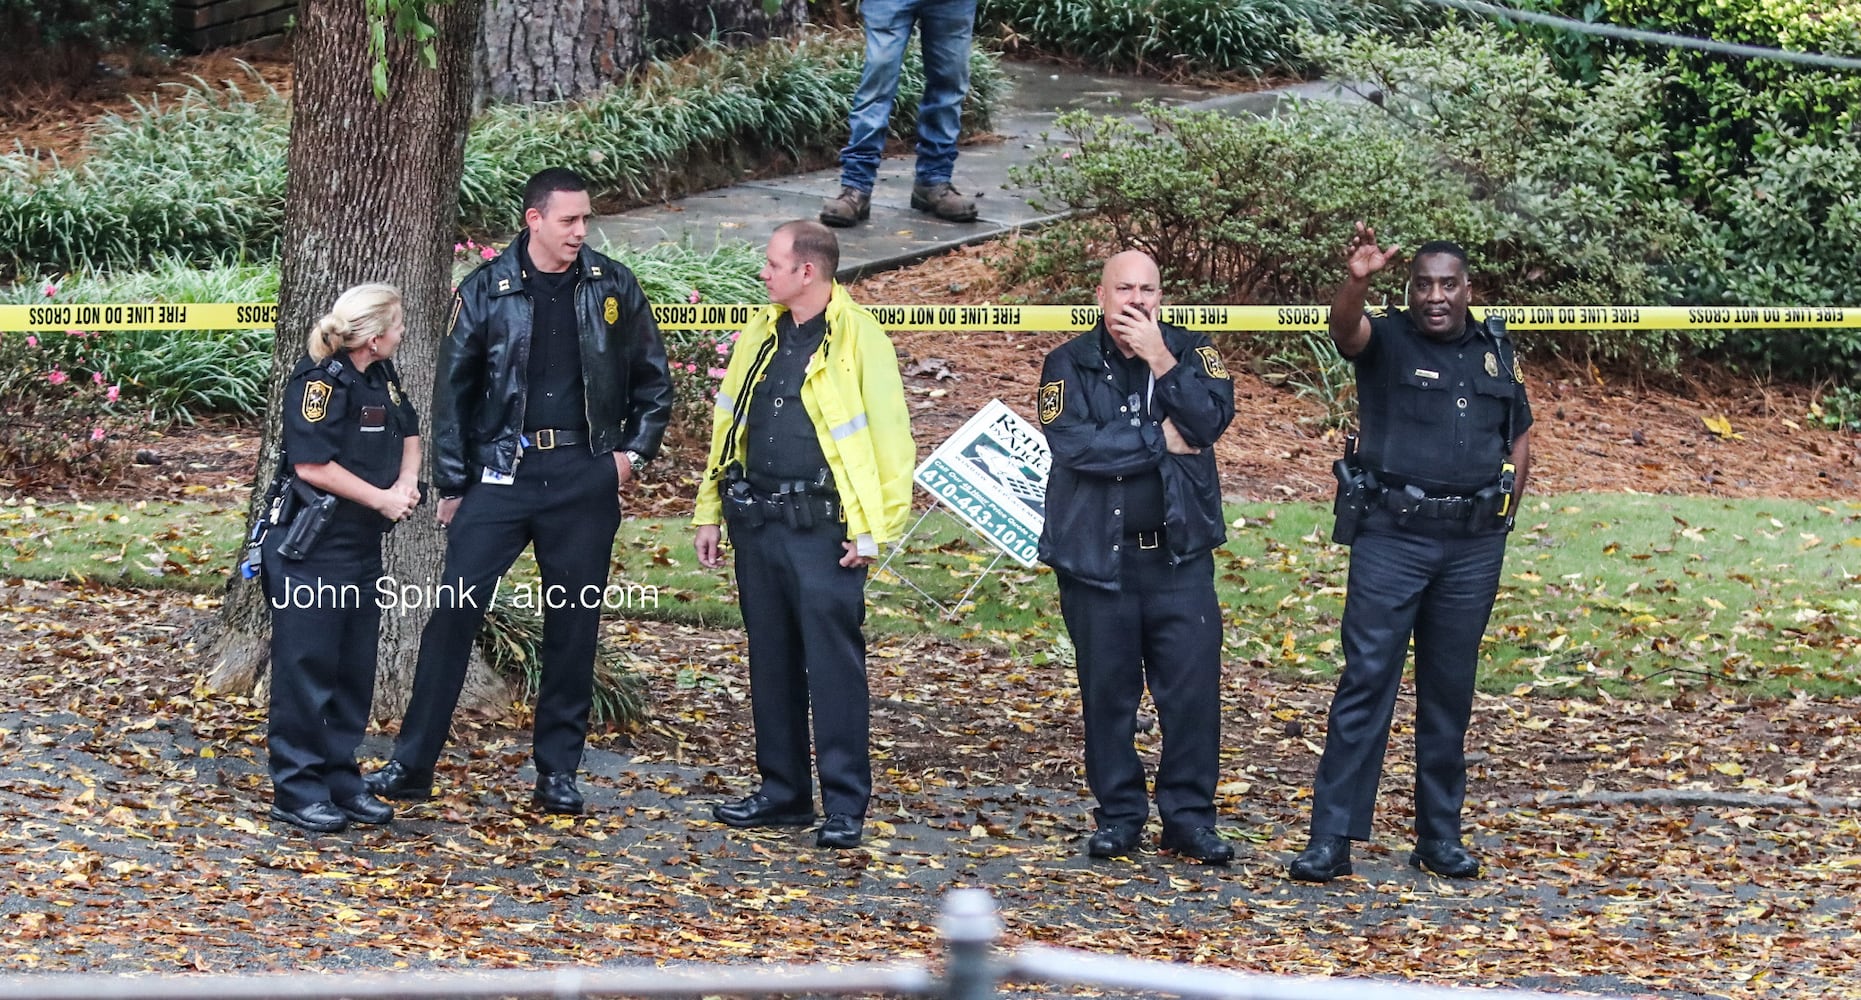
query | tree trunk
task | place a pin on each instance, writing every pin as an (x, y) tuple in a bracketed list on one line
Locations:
[(372, 194), (733, 22), (556, 50)]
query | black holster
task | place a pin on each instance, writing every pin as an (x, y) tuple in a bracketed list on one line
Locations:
[(1357, 490), (306, 529)]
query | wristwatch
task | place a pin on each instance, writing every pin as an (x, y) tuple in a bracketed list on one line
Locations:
[(635, 460)]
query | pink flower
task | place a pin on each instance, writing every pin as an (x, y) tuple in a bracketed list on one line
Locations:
[(723, 348), (115, 391), (488, 253), (57, 377), (31, 341), (96, 434), (692, 368), (96, 378), (719, 372), (694, 298), (458, 248), (50, 289), (80, 334)]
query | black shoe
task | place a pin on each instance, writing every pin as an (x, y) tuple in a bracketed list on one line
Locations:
[(396, 780), (1200, 843), (1445, 857), (317, 817), (365, 809), (757, 810), (1113, 840), (556, 793), (1324, 859), (841, 832)]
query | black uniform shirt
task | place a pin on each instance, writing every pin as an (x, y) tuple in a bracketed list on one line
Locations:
[(1143, 495), (782, 443), (1436, 414), (556, 397), (359, 420)]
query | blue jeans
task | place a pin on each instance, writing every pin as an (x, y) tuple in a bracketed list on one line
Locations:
[(945, 29)]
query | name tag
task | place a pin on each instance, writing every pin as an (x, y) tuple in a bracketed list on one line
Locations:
[(1425, 373), (374, 419)]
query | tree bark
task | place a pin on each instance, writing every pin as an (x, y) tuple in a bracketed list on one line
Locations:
[(557, 50), (372, 194), (732, 22)]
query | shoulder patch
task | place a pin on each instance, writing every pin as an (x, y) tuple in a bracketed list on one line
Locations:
[(610, 310), (1211, 362), (316, 400), (1052, 401)]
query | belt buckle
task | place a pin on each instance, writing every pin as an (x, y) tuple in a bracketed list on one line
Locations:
[(546, 439), (1149, 539)]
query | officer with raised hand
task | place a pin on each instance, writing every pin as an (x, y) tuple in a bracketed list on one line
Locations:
[(1132, 409), (1430, 496)]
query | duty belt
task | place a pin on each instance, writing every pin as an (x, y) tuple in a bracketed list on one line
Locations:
[(1145, 540), (1411, 501), (549, 438)]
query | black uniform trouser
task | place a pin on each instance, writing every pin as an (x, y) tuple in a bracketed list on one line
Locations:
[(1441, 591), (803, 613), (325, 625), (564, 502), (1162, 627)]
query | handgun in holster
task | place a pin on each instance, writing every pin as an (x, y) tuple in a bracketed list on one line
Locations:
[(275, 510), (1356, 491), (306, 529), (739, 502)]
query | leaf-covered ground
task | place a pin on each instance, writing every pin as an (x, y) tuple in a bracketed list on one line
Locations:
[(135, 837)]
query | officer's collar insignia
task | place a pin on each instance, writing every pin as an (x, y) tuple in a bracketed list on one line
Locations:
[(1052, 401), (610, 309), (1492, 365), (394, 393), (1211, 362), (595, 272), (316, 400), (503, 284)]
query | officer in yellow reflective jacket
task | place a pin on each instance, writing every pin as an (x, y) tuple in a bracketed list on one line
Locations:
[(810, 470)]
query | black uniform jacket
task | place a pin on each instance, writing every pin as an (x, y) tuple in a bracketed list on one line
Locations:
[(482, 385), (1096, 446)]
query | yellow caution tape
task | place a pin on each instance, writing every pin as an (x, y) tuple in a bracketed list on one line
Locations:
[(721, 316)]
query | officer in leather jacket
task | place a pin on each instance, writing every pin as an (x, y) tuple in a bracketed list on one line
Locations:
[(553, 392), (1131, 410)]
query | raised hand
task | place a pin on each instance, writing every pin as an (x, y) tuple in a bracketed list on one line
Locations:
[(1365, 257)]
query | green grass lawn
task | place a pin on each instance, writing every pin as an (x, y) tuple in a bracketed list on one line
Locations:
[(1622, 593)]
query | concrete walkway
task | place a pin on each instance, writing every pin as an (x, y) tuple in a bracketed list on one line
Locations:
[(896, 235)]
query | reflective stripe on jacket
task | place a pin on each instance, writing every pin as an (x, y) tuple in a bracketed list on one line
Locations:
[(856, 399)]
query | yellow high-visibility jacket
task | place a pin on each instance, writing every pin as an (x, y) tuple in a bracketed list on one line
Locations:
[(854, 395)]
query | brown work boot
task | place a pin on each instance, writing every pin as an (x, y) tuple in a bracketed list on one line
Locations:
[(850, 207), (943, 201)]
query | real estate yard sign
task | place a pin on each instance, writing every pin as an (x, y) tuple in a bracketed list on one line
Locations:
[(993, 473)]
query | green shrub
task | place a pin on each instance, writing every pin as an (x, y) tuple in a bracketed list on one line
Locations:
[(1210, 197), (1715, 107), (1249, 37), (1792, 232), (62, 417), (1555, 188), (175, 375), (52, 46), (201, 176)]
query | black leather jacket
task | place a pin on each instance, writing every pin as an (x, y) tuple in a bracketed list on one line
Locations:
[(1095, 447), (482, 385)]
